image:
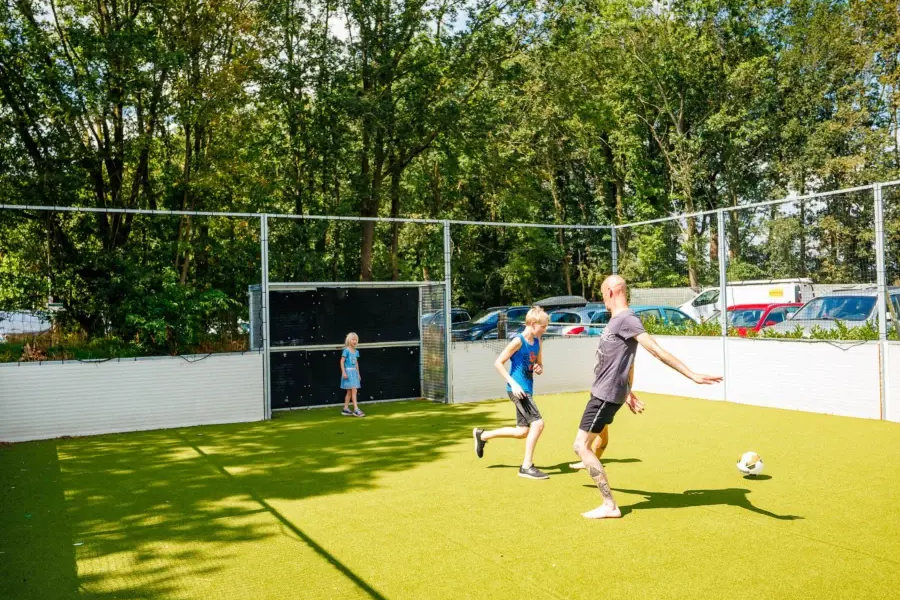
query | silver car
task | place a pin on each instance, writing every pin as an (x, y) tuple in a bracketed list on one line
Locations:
[(570, 321), (854, 307)]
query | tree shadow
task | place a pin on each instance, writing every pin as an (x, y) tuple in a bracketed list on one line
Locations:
[(37, 555), (203, 491), (691, 498)]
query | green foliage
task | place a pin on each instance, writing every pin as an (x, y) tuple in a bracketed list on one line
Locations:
[(592, 112)]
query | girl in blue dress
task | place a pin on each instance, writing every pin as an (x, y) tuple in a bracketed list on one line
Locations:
[(350, 379)]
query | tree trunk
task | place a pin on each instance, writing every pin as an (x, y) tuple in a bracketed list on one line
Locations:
[(560, 218)]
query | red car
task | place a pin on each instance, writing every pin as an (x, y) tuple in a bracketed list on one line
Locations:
[(753, 317)]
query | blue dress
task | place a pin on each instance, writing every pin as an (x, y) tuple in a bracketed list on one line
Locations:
[(352, 367)]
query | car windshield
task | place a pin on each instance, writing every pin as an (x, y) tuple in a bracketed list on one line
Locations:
[(845, 308), (486, 317), (744, 318)]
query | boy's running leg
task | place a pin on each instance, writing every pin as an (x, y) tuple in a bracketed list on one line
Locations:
[(528, 470), (481, 436)]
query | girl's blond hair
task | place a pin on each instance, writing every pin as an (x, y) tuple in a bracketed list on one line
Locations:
[(349, 337)]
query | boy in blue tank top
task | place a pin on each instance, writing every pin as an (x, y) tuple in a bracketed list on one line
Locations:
[(526, 361)]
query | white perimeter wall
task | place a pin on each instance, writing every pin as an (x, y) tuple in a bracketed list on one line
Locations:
[(48, 400), (812, 376), (893, 368), (837, 379)]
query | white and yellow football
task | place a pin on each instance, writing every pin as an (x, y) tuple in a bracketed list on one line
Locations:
[(750, 464)]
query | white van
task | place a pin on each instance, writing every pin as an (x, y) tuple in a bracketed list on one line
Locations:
[(769, 291)]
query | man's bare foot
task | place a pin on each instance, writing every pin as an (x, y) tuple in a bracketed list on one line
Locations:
[(603, 512), (576, 466)]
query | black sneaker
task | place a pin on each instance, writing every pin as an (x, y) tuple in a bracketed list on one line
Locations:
[(479, 443), (532, 472)]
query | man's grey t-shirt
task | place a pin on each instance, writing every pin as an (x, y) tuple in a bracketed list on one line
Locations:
[(615, 355)]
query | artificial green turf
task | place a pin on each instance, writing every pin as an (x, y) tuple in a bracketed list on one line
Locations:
[(313, 505)]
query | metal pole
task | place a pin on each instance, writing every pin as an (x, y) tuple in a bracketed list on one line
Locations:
[(615, 252), (723, 297), (448, 321), (883, 299), (264, 296)]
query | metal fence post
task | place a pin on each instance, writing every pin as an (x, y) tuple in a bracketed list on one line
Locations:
[(723, 297), (448, 316), (264, 298), (615, 251), (883, 299)]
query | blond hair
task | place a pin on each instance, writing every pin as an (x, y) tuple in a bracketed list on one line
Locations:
[(537, 315), (349, 337)]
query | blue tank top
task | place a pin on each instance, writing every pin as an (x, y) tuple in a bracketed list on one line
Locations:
[(521, 364)]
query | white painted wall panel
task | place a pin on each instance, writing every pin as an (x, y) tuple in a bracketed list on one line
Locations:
[(893, 368), (839, 379), (700, 354), (568, 367), (40, 401), (817, 377)]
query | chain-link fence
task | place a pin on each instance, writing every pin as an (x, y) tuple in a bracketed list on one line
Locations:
[(672, 269), (102, 285), (92, 284), (803, 268), (500, 271)]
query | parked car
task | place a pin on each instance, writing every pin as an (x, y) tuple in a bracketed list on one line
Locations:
[(561, 302), (753, 317), (664, 314), (484, 325), (854, 307), (457, 316), (562, 322), (708, 303)]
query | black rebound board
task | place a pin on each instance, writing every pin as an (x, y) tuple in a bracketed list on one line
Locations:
[(326, 315), (313, 377)]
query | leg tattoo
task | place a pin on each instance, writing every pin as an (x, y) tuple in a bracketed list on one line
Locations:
[(598, 474)]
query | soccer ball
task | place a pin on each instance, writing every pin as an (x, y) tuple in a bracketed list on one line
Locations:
[(750, 464)]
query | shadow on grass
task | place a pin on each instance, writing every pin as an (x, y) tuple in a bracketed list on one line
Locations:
[(564, 467), (690, 498), (37, 556), (131, 499)]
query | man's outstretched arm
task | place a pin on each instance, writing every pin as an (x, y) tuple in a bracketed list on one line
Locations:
[(646, 340)]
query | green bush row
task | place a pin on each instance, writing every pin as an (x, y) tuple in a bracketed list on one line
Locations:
[(841, 332)]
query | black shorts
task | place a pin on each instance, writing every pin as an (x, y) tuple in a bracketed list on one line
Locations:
[(526, 410), (598, 414)]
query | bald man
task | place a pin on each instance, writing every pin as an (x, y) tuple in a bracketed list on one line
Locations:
[(613, 375)]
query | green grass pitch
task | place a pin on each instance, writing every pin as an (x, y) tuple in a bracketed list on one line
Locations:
[(313, 505)]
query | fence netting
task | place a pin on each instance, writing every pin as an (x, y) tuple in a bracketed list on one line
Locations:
[(500, 271), (672, 270), (818, 252), (103, 285)]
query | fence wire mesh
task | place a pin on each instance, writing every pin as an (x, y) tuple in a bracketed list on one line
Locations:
[(819, 251), (672, 269), (499, 272), (78, 286), (109, 285)]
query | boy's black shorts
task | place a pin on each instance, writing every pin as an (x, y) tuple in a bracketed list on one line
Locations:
[(526, 410), (598, 414)]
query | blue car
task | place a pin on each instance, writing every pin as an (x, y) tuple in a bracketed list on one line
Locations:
[(484, 325)]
